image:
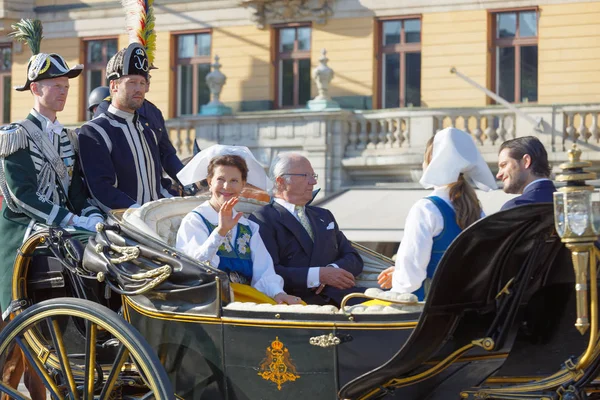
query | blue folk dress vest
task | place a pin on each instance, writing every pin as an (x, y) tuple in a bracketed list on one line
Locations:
[(441, 242), (236, 259)]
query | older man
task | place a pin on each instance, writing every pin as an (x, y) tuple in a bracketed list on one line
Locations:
[(120, 155), (524, 169), (309, 251)]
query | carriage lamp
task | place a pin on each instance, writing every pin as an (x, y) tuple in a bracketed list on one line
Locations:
[(574, 214)]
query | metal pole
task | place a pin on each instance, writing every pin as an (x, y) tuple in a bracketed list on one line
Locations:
[(537, 124)]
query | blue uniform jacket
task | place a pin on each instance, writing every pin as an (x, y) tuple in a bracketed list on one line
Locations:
[(538, 192)]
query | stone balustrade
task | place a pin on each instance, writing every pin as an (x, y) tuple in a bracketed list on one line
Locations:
[(366, 147)]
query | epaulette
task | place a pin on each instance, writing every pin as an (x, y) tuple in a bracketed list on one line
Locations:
[(13, 137)]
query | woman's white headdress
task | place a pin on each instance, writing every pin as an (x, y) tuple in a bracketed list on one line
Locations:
[(455, 153), (197, 169)]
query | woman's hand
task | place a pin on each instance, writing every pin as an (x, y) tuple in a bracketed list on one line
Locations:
[(283, 298), (385, 278), (226, 219)]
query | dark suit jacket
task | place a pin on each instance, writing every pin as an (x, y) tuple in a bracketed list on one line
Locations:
[(539, 192), (293, 251)]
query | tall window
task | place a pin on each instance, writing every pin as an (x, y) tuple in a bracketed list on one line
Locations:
[(5, 82), (97, 54), (400, 63), (193, 64), (293, 66), (516, 55)]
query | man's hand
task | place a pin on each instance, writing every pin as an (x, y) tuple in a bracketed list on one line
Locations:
[(336, 277)]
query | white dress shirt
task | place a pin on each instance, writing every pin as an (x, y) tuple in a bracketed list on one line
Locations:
[(52, 127), (423, 222), (312, 279), (194, 240)]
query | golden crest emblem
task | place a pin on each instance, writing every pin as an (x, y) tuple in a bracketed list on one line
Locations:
[(277, 366)]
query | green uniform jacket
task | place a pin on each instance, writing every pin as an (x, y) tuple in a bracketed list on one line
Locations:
[(41, 182)]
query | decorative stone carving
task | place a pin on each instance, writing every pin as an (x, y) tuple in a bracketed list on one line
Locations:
[(323, 75), (215, 81), (270, 11)]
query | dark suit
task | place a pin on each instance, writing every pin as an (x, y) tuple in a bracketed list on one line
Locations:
[(293, 251), (538, 192)]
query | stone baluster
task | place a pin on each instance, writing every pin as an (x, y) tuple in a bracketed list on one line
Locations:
[(405, 133), (352, 135), (583, 131), (501, 131), (177, 141), (594, 131), (489, 129), (478, 133), (511, 128), (390, 141), (570, 131), (439, 123), (398, 137), (372, 143), (466, 123), (453, 121), (189, 141), (384, 134), (362, 135)]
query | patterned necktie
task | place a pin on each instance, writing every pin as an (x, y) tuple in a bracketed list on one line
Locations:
[(304, 221)]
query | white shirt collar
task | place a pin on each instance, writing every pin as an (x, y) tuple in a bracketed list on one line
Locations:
[(120, 113), (50, 127), (537, 180), (288, 206)]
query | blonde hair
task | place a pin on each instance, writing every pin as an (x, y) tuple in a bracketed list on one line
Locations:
[(462, 196)]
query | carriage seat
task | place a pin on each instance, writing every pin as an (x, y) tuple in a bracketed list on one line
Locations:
[(161, 218), (383, 308)]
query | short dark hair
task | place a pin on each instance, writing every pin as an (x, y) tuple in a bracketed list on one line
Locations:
[(229, 161), (531, 145)]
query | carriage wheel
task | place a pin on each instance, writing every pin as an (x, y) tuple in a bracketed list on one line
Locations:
[(124, 366)]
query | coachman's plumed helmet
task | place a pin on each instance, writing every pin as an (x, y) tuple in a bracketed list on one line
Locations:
[(41, 65), (132, 60)]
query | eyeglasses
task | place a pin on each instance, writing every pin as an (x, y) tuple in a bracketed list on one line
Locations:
[(315, 176)]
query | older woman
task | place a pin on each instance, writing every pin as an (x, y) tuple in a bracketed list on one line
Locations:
[(215, 233), (452, 161)]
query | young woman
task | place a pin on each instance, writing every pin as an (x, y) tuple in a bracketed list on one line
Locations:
[(451, 162)]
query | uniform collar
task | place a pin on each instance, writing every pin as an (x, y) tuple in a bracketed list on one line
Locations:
[(45, 123), (120, 113)]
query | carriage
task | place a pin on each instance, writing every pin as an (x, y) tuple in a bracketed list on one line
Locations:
[(130, 317)]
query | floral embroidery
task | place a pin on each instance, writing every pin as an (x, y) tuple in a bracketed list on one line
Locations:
[(226, 246), (242, 243)]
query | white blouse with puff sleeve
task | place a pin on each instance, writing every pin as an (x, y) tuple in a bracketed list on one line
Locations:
[(194, 240), (423, 222)]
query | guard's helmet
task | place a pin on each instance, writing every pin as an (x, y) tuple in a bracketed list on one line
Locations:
[(97, 95)]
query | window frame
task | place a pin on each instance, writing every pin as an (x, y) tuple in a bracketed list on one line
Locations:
[(89, 67), (401, 48), (295, 55), (195, 60), (517, 42), (4, 72)]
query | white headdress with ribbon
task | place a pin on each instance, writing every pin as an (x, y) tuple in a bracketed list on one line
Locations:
[(455, 153), (197, 169)]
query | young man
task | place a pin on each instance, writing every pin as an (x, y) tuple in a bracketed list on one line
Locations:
[(120, 155), (39, 172), (316, 261), (524, 169)]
